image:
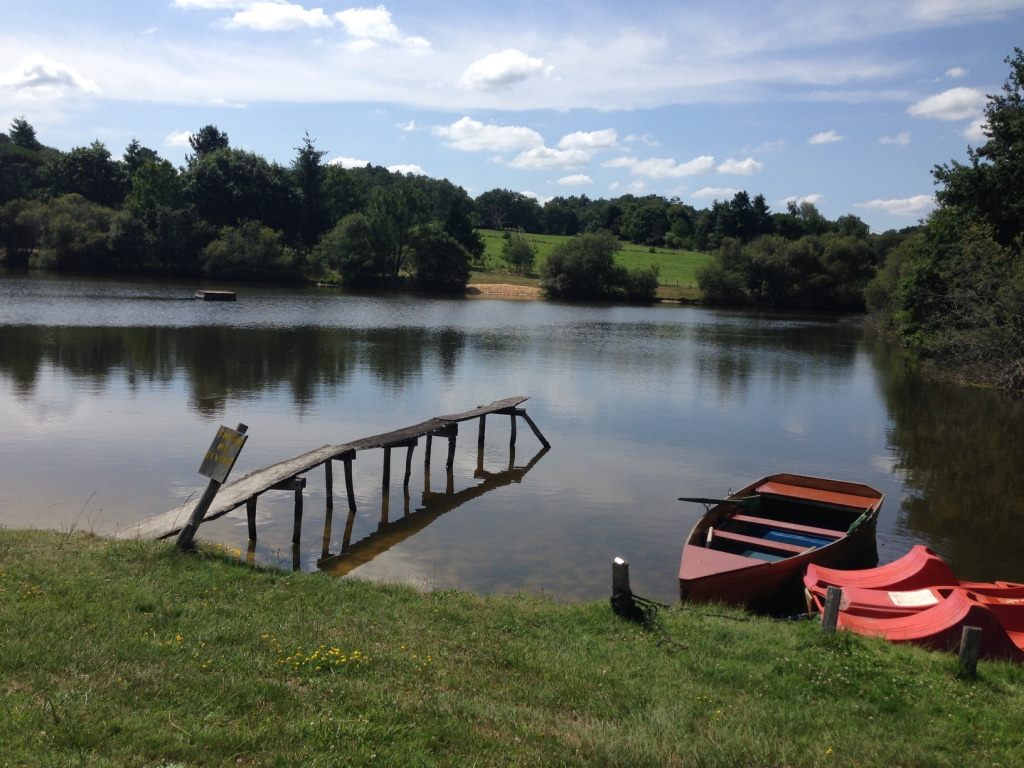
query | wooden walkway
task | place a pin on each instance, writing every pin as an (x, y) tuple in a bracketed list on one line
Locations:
[(287, 475)]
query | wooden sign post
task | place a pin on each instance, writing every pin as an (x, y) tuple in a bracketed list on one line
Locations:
[(217, 464)]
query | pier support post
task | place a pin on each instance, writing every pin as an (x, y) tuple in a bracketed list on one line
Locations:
[(348, 458), (408, 463), (328, 524), (536, 430), (386, 481), (480, 434), (512, 437), (329, 483), (250, 514), (970, 649), (426, 455), (453, 434), (295, 484), (830, 618)]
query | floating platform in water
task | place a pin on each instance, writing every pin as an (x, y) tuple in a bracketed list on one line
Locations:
[(216, 295)]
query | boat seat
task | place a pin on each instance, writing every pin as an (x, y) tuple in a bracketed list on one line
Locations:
[(756, 543), (781, 525)]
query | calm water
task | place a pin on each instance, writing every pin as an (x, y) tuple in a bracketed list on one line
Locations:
[(111, 391)]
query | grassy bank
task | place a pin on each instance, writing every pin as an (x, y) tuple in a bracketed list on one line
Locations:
[(677, 269), (129, 654)]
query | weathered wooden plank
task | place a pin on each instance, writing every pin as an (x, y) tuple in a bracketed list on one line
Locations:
[(236, 493)]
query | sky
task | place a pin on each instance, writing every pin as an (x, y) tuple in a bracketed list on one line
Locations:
[(848, 105)]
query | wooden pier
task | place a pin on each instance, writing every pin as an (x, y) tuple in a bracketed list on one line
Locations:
[(288, 475)]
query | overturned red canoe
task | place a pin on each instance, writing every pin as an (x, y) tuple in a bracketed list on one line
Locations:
[(940, 626), (751, 548), (889, 603)]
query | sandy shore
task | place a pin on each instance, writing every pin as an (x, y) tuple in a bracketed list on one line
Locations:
[(503, 290)]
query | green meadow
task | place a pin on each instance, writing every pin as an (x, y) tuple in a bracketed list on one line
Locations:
[(677, 268), (133, 654)]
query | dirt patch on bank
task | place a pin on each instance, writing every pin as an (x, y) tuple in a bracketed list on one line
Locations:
[(503, 290)]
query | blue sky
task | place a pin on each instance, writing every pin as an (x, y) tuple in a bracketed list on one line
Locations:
[(846, 104)]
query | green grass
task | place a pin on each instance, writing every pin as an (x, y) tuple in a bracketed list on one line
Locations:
[(131, 654), (677, 268)]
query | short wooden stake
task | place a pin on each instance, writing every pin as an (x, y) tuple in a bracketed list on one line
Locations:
[(622, 594), (970, 649), (349, 490), (830, 618), (250, 514)]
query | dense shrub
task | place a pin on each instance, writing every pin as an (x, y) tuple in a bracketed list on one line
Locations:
[(584, 268), (440, 263), (248, 252)]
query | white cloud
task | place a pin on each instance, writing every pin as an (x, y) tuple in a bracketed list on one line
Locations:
[(825, 137), (472, 136), (592, 140), (370, 26), (954, 104), (741, 167), (613, 186), (902, 139), (275, 17), (500, 70), (40, 75), (404, 168), (954, 10), (646, 138), (766, 146), (976, 130), (813, 198), (575, 180), (636, 186), (546, 157), (663, 167), (956, 72), (918, 205), (408, 127), (714, 193), (349, 162), (210, 5), (177, 139)]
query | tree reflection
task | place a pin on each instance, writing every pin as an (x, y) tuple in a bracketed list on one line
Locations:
[(224, 364), (958, 449)]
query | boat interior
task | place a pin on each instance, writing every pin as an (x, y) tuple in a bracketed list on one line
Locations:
[(782, 521)]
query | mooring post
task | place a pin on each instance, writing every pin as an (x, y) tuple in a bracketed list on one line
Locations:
[(622, 594), (453, 435), (217, 464), (536, 430), (250, 514), (830, 617), (348, 458), (329, 483), (970, 649)]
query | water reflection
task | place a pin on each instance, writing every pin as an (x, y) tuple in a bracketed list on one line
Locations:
[(958, 451), (223, 364), (434, 504)]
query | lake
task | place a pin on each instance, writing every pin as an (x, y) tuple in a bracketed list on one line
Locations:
[(111, 391)]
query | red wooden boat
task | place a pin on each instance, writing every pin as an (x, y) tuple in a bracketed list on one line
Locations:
[(940, 626), (751, 548)]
